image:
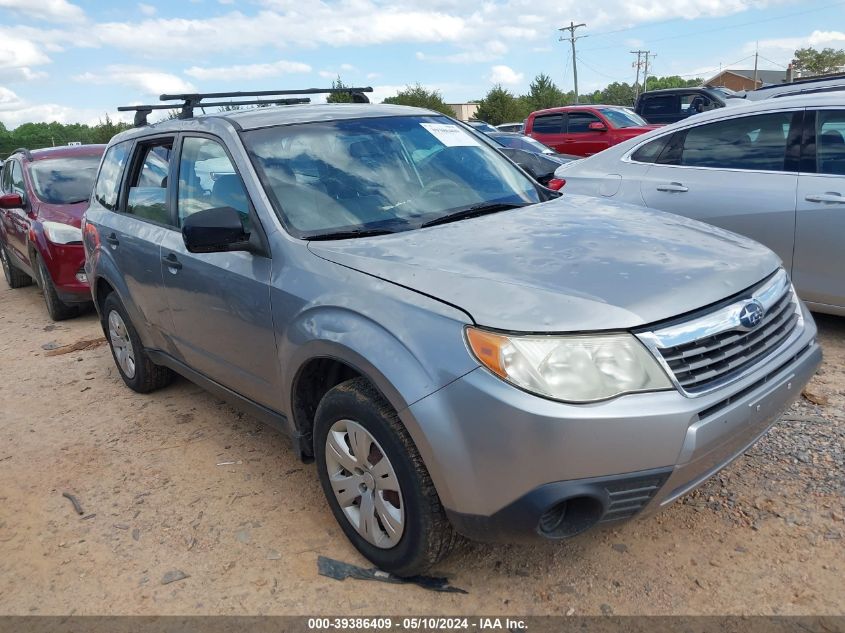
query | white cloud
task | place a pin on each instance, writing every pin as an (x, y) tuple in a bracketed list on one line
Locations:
[(16, 111), (51, 10), (788, 45), (18, 56), (147, 9), (247, 71), (144, 80), (505, 75), (9, 100)]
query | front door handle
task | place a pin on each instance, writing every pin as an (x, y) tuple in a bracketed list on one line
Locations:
[(672, 187), (830, 197), (112, 240), (172, 262)]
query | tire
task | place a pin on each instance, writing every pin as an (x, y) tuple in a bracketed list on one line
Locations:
[(14, 277), (426, 536), (56, 308), (141, 374)]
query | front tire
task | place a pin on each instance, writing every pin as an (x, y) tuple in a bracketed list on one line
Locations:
[(14, 277), (375, 481), (56, 308), (137, 370)]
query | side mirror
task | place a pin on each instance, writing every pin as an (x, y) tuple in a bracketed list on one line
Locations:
[(215, 230), (597, 126), (11, 201)]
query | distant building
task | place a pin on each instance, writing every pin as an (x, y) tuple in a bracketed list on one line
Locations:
[(737, 79), (464, 111)]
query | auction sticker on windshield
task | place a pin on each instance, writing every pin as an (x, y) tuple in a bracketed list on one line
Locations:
[(450, 135)]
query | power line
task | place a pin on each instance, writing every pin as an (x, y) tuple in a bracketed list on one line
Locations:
[(572, 39)]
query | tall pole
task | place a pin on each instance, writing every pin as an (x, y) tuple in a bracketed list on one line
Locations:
[(571, 28), (645, 72), (756, 53), (637, 80)]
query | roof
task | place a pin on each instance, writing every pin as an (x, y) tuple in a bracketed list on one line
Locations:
[(580, 106), (765, 76), (64, 151)]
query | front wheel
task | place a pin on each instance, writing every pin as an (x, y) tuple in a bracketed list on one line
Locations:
[(56, 308), (376, 483), (137, 370)]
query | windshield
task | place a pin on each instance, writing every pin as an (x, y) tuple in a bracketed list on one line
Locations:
[(621, 117), (64, 180), (518, 141), (380, 174)]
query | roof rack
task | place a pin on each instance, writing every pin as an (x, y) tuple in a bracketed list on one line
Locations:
[(22, 150), (194, 100)]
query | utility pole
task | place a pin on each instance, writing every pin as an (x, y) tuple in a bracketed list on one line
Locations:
[(571, 28), (638, 64), (756, 53), (645, 72)]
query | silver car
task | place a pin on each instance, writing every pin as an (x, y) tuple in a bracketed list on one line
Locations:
[(458, 349), (773, 170)]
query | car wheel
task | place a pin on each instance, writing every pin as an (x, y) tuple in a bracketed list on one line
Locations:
[(376, 483), (137, 370), (56, 308), (14, 277)]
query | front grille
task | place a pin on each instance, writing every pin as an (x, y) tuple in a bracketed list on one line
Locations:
[(708, 350), (629, 496)]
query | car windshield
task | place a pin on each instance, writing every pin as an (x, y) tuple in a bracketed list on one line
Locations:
[(518, 141), (380, 174), (64, 180), (621, 117)]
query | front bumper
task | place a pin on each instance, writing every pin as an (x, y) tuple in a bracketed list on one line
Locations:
[(64, 262), (502, 460)]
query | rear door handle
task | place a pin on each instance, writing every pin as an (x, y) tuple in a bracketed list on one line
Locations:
[(112, 240), (830, 197), (172, 262), (672, 187)]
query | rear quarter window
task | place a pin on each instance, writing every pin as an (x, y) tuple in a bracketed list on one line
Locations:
[(548, 124), (107, 186)]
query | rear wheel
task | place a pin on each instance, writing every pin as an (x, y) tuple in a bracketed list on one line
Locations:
[(376, 483), (56, 308), (14, 277), (137, 370)]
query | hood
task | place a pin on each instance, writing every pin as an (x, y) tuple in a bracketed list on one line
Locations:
[(571, 264), (64, 213), (634, 130)]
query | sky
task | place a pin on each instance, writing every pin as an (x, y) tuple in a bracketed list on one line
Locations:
[(77, 61)]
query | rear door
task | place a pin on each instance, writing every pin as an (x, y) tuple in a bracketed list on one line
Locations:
[(580, 140), (820, 224), (735, 173), (220, 302), (549, 130)]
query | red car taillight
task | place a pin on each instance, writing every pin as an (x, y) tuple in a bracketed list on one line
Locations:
[(556, 184)]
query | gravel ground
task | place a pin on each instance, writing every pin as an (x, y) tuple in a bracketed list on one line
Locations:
[(191, 507)]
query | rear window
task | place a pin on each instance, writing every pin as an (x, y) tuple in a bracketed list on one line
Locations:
[(64, 180)]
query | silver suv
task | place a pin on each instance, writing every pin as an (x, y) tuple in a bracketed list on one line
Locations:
[(458, 349)]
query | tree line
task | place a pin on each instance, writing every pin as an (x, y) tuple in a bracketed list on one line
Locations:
[(38, 135)]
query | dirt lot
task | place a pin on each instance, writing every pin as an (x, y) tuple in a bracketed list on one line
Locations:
[(180, 481)]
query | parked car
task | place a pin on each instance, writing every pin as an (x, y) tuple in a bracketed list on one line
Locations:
[(538, 160), (676, 104), (528, 144), (458, 351), (584, 130), (772, 170), (813, 85), (481, 126), (44, 193), (511, 127)]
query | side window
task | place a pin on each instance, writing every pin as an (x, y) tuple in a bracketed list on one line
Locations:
[(17, 179), (548, 124), (147, 197), (649, 152), (662, 105), (208, 179), (578, 122), (108, 180), (830, 142), (751, 142), (6, 177)]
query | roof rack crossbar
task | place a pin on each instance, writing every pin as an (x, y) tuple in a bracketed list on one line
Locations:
[(22, 150), (199, 96)]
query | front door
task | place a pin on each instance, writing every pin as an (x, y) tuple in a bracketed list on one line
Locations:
[(17, 220), (732, 173), (820, 225), (580, 140), (220, 302)]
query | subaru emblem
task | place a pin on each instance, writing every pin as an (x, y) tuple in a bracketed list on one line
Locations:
[(751, 314)]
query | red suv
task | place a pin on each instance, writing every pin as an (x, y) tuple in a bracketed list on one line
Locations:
[(43, 194), (585, 130)]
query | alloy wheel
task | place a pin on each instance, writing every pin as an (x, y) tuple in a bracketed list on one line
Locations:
[(121, 344), (365, 484)]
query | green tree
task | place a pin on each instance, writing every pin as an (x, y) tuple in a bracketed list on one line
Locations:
[(339, 97), (420, 97), (543, 93), (501, 106), (810, 61), (673, 81), (617, 94)]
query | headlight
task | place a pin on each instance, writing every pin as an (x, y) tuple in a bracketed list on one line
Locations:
[(59, 233), (570, 368)]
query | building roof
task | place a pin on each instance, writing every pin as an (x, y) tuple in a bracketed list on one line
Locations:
[(765, 76)]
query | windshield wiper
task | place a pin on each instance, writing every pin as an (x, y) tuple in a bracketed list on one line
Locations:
[(342, 235), (472, 212)]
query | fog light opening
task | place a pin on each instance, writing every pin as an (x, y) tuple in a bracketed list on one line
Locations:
[(570, 517)]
